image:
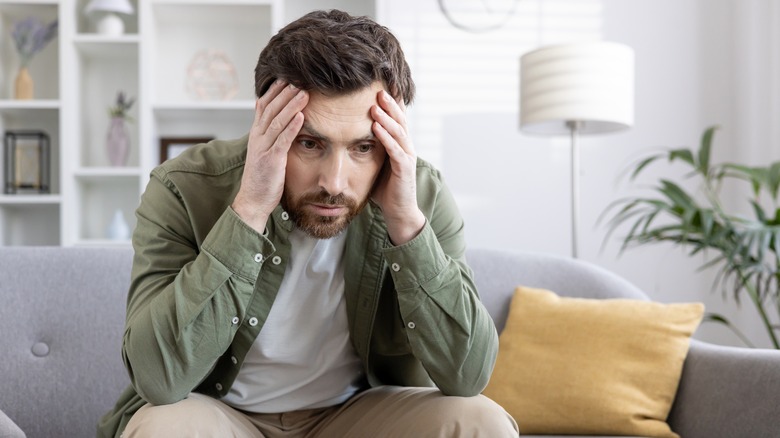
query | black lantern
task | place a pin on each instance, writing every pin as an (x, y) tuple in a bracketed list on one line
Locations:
[(26, 156)]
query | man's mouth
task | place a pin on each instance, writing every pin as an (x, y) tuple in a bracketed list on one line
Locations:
[(327, 209)]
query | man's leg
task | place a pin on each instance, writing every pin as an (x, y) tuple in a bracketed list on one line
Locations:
[(196, 416), (391, 411)]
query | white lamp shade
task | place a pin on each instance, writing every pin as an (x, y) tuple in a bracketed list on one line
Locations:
[(121, 6), (589, 83)]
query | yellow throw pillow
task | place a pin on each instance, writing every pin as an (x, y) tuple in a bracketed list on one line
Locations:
[(589, 366)]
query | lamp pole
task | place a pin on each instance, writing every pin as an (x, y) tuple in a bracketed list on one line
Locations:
[(574, 127)]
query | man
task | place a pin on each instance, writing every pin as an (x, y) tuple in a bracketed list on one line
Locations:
[(308, 279)]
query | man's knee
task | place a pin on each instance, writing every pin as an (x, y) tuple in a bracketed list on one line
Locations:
[(197, 415), (469, 416)]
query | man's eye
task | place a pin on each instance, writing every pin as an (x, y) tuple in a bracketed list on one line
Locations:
[(308, 144), (364, 148)]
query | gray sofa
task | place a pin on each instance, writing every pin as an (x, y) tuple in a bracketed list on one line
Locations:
[(63, 313)]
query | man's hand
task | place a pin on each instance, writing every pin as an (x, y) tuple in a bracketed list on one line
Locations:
[(278, 119), (396, 194)]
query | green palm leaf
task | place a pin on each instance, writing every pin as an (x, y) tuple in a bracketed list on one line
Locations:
[(745, 252)]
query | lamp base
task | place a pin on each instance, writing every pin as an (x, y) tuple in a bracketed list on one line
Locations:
[(110, 25)]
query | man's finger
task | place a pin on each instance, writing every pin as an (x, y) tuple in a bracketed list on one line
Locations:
[(395, 108), (276, 106), (293, 107), (287, 136), (262, 102), (395, 130)]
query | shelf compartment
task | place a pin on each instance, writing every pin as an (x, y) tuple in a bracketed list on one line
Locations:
[(105, 67), (98, 197), (236, 30), (86, 24), (43, 63), (31, 223), (40, 116), (222, 120)]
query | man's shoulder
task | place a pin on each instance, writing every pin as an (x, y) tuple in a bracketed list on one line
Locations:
[(214, 158), (426, 170)]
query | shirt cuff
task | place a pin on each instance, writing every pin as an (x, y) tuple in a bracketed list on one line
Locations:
[(416, 262), (237, 245)]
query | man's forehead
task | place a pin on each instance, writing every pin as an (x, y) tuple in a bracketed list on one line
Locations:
[(324, 133), (346, 116)]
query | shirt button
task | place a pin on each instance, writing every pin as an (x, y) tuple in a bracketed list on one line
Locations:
[(235, 320), (411, 325), (258, 258), (253, 321), (218, 386), (276, 260), (396, 267), (234, 360), (285, 216)]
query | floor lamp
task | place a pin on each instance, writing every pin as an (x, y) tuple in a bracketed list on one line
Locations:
[(577, 89)]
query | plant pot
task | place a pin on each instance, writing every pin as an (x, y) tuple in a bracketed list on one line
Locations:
[(23, 86), (117, 142)]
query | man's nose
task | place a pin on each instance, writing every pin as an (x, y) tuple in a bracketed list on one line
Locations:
[(334, 173)]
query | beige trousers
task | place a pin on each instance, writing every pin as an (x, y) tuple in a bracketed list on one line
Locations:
[(386, 411)]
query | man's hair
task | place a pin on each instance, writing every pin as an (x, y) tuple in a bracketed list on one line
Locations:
[(335, 53)]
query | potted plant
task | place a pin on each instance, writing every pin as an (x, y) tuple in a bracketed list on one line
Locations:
[(744, 248), (30, 36)]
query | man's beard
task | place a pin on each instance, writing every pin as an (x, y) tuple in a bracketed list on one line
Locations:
[(321, 227)]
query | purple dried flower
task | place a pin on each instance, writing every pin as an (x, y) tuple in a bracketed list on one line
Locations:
[(123, 105), (31, 36)]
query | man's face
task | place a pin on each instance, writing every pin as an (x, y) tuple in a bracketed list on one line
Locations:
[(333, 162)]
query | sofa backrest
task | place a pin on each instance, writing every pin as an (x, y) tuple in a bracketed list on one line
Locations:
[(61, 324), (497, 273), (63, 311)]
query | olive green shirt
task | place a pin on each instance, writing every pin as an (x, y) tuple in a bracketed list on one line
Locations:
[(203, 283)]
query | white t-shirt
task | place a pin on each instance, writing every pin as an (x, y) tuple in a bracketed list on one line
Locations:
[(303, 357)]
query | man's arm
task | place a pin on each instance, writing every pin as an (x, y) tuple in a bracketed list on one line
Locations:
[(185, 303), (278, 119), (448, 328), (183, 299), (396, 194)]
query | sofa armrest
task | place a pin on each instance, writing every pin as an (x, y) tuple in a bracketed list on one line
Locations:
[(727, 391), (9, 429)]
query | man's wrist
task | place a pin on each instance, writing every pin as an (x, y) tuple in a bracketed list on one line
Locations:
[(252, 217), (404, 230)]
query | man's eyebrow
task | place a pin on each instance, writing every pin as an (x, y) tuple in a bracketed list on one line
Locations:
[(307, 129), (312, 132)]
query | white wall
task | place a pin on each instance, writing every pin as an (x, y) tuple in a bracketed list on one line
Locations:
[(698, 62)]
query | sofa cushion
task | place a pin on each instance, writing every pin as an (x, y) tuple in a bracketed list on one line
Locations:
[(588, 366)]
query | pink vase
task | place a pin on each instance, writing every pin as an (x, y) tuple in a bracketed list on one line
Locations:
[(117, 142)]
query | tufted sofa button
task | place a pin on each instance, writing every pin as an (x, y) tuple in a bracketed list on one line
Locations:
[(40, 349)]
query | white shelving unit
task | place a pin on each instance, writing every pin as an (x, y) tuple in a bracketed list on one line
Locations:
[(77, 77)]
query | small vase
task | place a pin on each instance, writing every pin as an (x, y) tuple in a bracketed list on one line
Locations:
[(117, 142), (23, 87), (118, 228)]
